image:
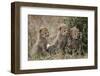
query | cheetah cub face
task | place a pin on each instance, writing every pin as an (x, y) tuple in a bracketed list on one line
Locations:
[(44, 33), (75, 33), (63, 29)]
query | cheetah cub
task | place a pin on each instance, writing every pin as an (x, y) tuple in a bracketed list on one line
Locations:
[(60, 40), (41, 44)]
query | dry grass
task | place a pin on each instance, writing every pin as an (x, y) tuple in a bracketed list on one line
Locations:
[(57, 55)]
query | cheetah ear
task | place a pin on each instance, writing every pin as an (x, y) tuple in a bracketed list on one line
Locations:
[(59, 28), (40, 31)]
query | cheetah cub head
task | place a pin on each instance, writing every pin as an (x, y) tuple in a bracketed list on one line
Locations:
[(63, 30), (44, 33)]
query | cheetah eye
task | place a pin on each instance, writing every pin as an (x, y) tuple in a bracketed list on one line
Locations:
[(64, 31)]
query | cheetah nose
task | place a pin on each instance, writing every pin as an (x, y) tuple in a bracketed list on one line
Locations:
[(75, 38), (47, 35)]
